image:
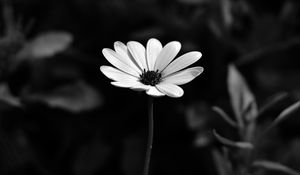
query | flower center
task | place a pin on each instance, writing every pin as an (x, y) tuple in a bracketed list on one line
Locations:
[(150, 77)]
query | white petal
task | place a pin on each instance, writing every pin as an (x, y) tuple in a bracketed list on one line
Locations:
[(118, 61), (170, 90), (167, 54), (153, 49), (138, 52), (122, 50), (182, 62), (117, 75), (153, 91), (184, 76), (140, 87), (123, 84)]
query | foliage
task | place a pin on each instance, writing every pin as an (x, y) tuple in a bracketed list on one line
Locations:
[(250, 133)]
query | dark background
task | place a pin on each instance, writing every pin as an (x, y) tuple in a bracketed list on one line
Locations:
[(60, 115)]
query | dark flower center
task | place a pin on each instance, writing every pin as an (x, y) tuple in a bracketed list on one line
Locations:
[(150, 77)]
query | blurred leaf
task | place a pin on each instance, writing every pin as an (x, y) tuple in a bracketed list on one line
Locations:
[(197, 115), (284, 114), (275, 166), (46, 45), (7, 97), (11, 25), (287, 10), (268, 49), (203, 139), (227, 142), (272, 102), (75, 97), (221, 163), (242, 99), (215, 28), (228, 22), (224, 116), (226, 7)]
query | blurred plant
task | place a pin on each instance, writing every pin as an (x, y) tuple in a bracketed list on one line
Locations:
[(199, 118), (241, 157), (32, 77), (74, 95), (242, 26)]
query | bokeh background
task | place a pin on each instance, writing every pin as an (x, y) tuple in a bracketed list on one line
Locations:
[(59, 115)]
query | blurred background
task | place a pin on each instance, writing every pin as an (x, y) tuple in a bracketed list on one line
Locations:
[(59, 115)]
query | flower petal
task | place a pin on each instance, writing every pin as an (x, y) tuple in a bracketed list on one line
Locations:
[(184, 76), (153, 91), (170, 90), (182, 62), (138, 52), (122, 50), (154, 47), (123, 84), (140, 87), (117, 75), (118, 61), (167, 54)]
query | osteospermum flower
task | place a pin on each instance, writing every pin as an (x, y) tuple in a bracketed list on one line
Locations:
[(150, 69)]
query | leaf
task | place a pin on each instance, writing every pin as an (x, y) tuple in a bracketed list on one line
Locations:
[(272, 102), (284, 114), (226, 10), (275, 166), (46, 45), (203, 139), (221, 163), (75, 97), (224, 116), (7, 97), (242, 99), (197, 116), (227, 142)]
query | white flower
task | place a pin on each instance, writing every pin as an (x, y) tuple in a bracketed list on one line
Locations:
[(151, 68)]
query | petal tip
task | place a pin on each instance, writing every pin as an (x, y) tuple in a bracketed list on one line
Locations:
[(201, 70), (178, 95), (176, 44), (129, 43), (198, 71), (104, 69), (153, 40), (105, 51), (198, 54), (195, 54), (119, 44), (101, 67)]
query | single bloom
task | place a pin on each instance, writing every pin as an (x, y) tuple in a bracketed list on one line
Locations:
[(150, 69)]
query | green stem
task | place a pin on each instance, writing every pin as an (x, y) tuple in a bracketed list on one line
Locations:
[(150, 136)]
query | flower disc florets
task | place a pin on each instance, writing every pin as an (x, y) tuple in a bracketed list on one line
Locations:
[(150, 77)]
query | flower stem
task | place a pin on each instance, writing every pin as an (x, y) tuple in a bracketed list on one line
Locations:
[(150, 136)]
